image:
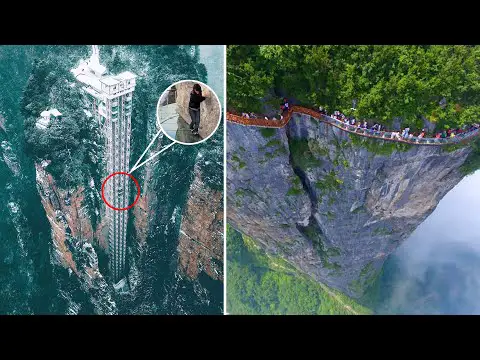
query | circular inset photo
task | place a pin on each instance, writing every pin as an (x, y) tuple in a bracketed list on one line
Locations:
[(188, 112)]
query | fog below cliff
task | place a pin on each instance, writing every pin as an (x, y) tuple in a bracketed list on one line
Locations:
[(437, 270)]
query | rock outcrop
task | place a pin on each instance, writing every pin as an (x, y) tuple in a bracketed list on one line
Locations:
[(331, 203), (72, 237), (10, 158), (2, 123), (143, 210), (201, 234), (209, 108)]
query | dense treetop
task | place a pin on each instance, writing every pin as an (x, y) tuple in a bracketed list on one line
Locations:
[(259, 284), (63, 141), (387, 81)]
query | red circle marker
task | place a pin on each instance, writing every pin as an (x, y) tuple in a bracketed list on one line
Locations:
[(134, 180)]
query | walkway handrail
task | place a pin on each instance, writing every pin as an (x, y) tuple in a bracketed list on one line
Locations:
[(382, 135)]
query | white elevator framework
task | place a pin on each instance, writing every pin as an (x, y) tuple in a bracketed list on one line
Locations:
[(109, 100)]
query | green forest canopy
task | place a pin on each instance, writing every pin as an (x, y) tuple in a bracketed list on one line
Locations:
[(387, 81), (258, 284), (62, 142)]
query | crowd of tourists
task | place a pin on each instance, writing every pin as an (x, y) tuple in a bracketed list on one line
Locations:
[(283, 109), (375, 129), (405, 134)]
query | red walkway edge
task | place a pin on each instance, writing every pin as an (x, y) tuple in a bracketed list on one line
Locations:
[(259, 122)]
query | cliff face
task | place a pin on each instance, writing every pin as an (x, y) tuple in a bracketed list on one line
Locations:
[(143, 210), (209, 108), (333, 204), (72, 236), (201, 233)]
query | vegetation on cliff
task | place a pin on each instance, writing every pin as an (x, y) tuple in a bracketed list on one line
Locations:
[(438, 82), (262, 284), (63, 142), (472, 163)]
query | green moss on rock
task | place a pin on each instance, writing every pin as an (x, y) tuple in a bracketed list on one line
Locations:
[(294, 191), (267, 132), (330, 182), (302, 156), (472, 163), (241, 164), (377, 146), (274, 142)]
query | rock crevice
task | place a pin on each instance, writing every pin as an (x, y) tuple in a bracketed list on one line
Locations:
[(72, 237), (332, 203), (200, 244)]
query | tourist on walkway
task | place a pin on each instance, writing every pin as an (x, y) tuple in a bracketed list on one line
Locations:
[(194, 107), (350, 123), (285, 106), (395, 135)]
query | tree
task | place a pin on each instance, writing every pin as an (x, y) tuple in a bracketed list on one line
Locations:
[(247, 79), (387, 81)]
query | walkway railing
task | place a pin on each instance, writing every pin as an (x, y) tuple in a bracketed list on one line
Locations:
[(382, 135)]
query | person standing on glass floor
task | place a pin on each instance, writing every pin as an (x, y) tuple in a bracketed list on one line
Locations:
[(194, 108)]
